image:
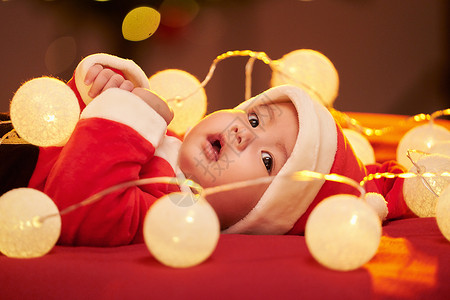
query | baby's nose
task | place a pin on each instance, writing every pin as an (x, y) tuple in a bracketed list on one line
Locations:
[(242, 136)]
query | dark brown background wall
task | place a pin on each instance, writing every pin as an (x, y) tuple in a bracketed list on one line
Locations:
[(392, 56)]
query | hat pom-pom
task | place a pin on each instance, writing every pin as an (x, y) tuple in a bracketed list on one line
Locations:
[(377, 202)]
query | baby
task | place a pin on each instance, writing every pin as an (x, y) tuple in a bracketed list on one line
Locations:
[(122, 136)]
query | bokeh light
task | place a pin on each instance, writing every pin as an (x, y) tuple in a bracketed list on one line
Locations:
[(22, 233), (417, 194), (44, 112), (343, 232), (60, 54), (178, 13), (173, 84), (181, 236), (140, 23)]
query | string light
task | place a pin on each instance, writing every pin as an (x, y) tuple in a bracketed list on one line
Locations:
[(313, 62), (350, 228), (181, 236), (343, 232), (173, 85), (343, 118), (313, 72), (421, 138), (22, 233), (309, 70), (44, 111), (443, 212), (421, 192), (349, 232)]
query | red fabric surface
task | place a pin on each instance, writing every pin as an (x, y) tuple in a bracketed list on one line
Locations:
[(413, 262)]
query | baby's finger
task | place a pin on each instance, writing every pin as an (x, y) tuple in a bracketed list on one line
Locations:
[(115, 81), (100, 81), (92, 73), (127, 85)]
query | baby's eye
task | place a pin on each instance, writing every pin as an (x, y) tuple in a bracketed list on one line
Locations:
[(253, 119), (267, 161)]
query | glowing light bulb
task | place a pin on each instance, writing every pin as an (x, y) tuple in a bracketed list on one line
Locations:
[(422, 138), (343, 232), (310, 70), (181, 236), (175, 84), (22, 233), (44, 112), (443, 212), (140, 23), (442, 147), (361, 146), (417, 195)]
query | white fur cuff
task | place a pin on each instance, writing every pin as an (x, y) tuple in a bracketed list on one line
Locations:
[(127, 108)]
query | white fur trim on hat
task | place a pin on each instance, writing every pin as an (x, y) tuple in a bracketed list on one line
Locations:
[(285, 201), (128, 67), (125, 107)]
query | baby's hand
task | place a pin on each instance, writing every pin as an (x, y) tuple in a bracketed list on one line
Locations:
[(103, 78), (155, 102)]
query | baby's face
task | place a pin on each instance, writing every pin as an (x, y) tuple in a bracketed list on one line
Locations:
[(235, 145)]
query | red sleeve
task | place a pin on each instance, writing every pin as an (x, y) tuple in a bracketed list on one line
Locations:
[(100, 154), (390, 188)]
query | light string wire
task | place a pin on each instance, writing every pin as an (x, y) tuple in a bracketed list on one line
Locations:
[(343, 118), (276, 66), (10, 133), (304, 175), (253, 56), (420, 170), (6, 135)]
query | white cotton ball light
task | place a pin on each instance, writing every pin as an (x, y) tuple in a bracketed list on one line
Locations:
[(343, 232), (421, 138), (443, 212), (23, 234), (44, 112), (361, 146), (309, 70), (442, 147), (181, 236), (174, 86), (417, 196)]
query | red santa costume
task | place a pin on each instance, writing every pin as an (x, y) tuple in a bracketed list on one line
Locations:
[(120, 138)]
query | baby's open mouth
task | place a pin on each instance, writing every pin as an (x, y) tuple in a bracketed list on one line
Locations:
[(212, 148)]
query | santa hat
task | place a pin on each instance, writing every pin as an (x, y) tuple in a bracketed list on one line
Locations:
[(320, 147)]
